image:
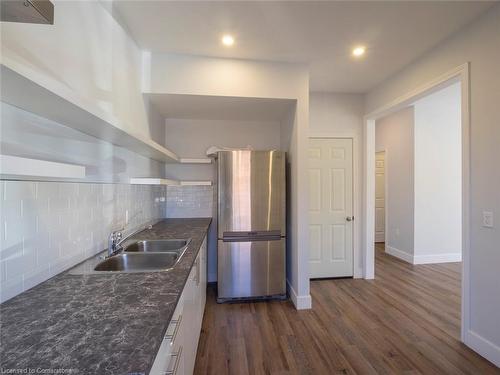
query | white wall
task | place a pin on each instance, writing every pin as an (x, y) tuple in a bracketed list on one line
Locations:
[(25, 134), (335, 114), (87, 50), (193, 138), (394, 135), (438, 177), (191, 75), (48, 227), (478, 44), (341, 115), (90, 53)]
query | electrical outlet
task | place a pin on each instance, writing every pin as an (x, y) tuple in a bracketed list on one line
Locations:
[(487, 219)]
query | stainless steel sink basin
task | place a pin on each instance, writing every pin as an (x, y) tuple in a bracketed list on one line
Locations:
[(137, 262), (157, 246), (137, 256)]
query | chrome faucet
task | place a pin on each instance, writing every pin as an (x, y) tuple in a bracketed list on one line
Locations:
[(114, 240)]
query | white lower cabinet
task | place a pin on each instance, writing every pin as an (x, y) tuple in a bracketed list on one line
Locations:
[(177, 353)]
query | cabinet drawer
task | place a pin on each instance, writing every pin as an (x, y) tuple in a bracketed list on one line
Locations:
[(168, 361), (172, 342), (162, 359)]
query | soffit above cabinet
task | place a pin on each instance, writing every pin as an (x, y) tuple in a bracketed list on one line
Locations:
[(26, 89), (207, 107)]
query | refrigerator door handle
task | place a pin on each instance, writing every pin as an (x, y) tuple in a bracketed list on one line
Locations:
[(257, 233), (251, 239)]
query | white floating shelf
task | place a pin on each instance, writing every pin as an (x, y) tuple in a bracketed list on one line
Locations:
[(14, 167), (36, 93), (195, 161), (196, 183), (165, 181), (153, 181)]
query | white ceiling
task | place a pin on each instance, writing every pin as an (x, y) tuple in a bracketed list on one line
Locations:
[(220, 107), (319, 33)]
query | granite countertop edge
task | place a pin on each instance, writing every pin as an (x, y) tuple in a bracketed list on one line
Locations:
[(99, 324)]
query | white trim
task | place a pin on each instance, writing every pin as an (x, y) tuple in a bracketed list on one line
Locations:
[(153, 181), (423, 259), (195, 160), (25, 168), (486, 348), (300, 302), (462, 74), (437, 258), (356, 206), (165, 181), (196, 183), (368, 219), (386, 195), (399, 254), (434, 85)]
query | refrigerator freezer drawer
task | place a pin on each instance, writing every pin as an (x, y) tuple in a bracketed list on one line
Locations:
[(251, 269)]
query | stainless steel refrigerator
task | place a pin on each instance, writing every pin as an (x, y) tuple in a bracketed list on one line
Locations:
[(251, 225)]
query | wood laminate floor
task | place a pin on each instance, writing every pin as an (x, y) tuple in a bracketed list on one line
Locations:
[(406, 321)]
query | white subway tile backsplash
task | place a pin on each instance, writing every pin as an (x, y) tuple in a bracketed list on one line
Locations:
[(3, 276), (37, 276), (47, 227), (190, 201), (14, 192), (11, 287)]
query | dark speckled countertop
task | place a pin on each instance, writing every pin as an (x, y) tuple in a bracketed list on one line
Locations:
[(98, 324)]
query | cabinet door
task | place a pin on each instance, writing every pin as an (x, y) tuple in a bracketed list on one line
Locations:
[(203, 277), (170, 356), (191, 314)]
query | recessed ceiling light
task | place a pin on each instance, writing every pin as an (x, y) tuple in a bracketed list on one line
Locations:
[(228, 40), (358, 51)]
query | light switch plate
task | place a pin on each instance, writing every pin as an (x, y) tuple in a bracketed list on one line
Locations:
[(487, 219)]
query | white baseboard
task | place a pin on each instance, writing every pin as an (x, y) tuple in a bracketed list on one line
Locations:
[(437, 258), (423, 259), (358, 272), (485, 348), (399, 254), (300, 302)]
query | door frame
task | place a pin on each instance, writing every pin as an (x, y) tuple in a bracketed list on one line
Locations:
[(356, 195), (460, 74), (386, 189)]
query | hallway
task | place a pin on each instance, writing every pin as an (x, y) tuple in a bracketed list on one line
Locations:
[(407, 320)]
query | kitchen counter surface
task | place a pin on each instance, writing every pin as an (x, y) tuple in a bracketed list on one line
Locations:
[(98, 324)]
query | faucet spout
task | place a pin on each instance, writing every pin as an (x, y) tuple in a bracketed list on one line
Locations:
[(114, 242)]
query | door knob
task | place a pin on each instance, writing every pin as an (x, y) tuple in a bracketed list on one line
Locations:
[(349, 218)]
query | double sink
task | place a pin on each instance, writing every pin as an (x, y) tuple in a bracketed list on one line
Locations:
[(137, 256)]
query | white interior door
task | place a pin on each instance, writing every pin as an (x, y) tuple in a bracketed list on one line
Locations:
[(330, 207), (380, 196)]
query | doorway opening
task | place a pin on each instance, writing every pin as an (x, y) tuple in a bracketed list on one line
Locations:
[(418, 207), (422, 223)]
